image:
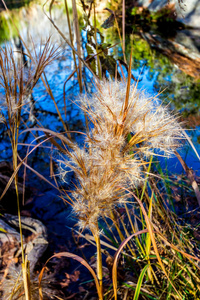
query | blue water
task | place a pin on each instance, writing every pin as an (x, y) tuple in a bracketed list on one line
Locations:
[(57, 72)]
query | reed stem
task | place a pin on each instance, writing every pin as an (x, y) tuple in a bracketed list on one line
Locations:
[(71, 40), (99, 262), (26, 279), (25, 263), (95, 37), (123, 29)]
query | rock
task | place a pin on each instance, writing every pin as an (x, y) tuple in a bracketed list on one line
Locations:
[(188, 12), (34, 244), (183, 58)]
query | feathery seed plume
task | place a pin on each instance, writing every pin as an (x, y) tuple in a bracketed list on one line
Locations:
[(121, 136)]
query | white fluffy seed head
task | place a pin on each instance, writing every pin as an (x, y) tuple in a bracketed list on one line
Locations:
[(100, 176), (122, 134), (146, 117)]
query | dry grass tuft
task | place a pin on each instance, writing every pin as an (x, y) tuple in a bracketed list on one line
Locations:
[(121, 137), (13, 286)]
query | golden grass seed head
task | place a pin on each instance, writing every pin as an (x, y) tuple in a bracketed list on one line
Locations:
[(99, 178), (122, 134), (146, 117)]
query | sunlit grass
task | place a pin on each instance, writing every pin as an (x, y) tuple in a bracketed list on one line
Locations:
[(114, 195)]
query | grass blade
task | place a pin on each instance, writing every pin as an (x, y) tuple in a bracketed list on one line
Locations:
[(151, 233), (139, 283), (190, 176), (75, 257), (114, 270)]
